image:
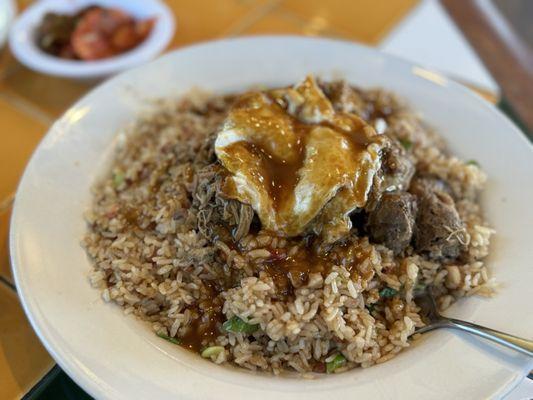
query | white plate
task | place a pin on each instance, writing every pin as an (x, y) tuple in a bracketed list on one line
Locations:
[(23, 46), (117, 357), (7, 13)]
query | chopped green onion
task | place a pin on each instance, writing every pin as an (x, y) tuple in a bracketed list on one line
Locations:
[(212, 351), (337, 362), (406, 143), (472, 162), (118, 179), (370, 307), (168, 338), (388, 292), (236, 324), (420, 287)]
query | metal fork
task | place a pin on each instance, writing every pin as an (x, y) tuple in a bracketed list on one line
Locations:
[(426, 301)]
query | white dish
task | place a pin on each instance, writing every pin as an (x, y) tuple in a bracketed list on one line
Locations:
[(116, 357), (7, 13), (23, 46)]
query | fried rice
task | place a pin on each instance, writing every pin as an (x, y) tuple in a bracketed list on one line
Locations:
[(157, 252)]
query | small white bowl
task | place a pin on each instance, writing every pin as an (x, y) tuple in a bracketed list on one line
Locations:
[(24, 47), (7, 14)]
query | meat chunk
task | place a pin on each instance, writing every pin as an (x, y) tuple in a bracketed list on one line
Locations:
[(439, 229), (395, 174), (218, 217), (343, 97), (398, 168), (392, 222), (422, 186)]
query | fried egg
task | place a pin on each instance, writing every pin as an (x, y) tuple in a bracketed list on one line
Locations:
[(300, 164)]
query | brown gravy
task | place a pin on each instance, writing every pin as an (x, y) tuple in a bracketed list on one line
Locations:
[(287, 272), (202, 331), (290, 272), (280, 175), (205, 327)]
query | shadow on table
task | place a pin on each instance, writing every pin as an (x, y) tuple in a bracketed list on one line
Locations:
[(56, 385)]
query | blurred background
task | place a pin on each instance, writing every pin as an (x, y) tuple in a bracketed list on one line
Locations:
[(484, 44)]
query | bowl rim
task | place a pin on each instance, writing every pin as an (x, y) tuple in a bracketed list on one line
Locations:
[(8, 11), (24, 48), (67, 363)]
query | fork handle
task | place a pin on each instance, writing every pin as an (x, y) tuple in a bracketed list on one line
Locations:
[(514, 342)]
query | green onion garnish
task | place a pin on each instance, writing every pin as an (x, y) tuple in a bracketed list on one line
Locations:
[(118, 179), (337, 362), (406, 144), (236, 324), (211, 351), (168, 338), (388, 292)]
